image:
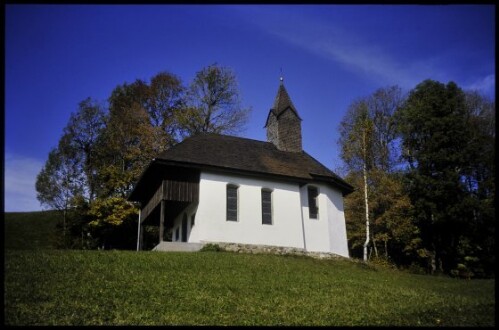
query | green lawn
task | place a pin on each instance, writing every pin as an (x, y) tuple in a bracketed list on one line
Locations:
[(45, 286), (56, 287)]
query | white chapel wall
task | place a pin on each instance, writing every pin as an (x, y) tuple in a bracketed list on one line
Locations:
[(192, 231), (286, 228), (337, 227), (291, 225), (316, 237)]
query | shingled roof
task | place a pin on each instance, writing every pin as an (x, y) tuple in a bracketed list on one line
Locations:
[(281, 103), (230, 153)]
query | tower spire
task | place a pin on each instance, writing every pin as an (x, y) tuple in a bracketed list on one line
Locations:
[(283, 122)]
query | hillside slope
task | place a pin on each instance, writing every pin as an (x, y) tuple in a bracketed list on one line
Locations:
[(68, 287), (46, 286), (30, 230)]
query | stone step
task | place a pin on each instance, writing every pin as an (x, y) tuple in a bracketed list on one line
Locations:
[(178, 246)]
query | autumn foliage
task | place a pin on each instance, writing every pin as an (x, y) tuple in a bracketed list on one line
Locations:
[(423, 165), (106, 146)]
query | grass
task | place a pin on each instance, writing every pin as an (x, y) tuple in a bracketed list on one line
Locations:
[(44, 286), (220, 288), (30, 230)]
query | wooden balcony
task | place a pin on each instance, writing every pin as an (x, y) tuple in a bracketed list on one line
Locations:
[(171, 190)]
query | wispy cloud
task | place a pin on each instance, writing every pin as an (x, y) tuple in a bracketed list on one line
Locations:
[(20, 178), (362, 57), (485, 85)]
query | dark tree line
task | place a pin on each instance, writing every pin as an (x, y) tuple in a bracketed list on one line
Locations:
[(106, 145), (424, 165)]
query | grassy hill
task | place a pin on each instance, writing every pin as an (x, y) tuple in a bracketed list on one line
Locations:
[(30, 230), (69, 287)]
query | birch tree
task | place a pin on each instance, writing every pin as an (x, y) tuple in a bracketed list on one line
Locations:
[(368, 148), (356, 141)]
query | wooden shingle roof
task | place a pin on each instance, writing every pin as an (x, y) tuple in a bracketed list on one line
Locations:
[(230, 153), (282, 102)]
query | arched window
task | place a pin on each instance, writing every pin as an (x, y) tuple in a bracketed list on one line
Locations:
[(313, 203), (266, 206), (232, 202)]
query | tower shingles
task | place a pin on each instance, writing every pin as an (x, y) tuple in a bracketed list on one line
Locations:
[(283, 123)]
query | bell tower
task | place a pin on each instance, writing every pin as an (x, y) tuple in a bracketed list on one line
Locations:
[(283, 123)]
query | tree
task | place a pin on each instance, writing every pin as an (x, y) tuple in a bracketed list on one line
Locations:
[(480, 172), (165, 100), (81, 133), (357, 146), (113, 222), (101, 154), (128, 141), (477, 250), (68, 179), (355, 218), (382, 105), (390, 210), (435, 135), (392, 221), (213, 103), (367, 135), (60, 180)]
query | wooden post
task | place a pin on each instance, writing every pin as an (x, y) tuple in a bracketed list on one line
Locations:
[(141, 246), (139, 233), (162, 221)]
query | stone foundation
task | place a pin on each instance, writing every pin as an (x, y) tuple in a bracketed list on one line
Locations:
[(279, 250)]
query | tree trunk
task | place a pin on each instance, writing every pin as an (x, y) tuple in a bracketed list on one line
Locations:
[(366, 201), (433, 257), (375, 248), (432, 263), (386, 248), (64, 227)]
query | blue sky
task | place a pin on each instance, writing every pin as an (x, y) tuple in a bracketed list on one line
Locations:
[(58, 55)]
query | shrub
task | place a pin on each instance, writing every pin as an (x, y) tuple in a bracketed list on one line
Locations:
[(415, 268), (382, 262), (210, 247)]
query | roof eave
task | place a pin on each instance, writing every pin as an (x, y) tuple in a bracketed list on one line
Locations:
[(232, 170), (342, 185)]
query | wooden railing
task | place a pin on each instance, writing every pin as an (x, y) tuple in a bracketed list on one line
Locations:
[(182, 191), (153, 202), (170, 190)]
